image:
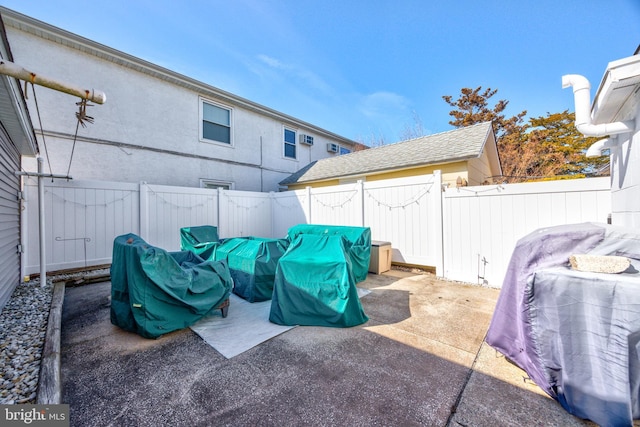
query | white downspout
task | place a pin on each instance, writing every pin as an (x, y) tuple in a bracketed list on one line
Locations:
[(595, 150), (582, 96)]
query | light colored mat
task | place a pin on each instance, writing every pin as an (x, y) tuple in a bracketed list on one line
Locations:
[(246, 325)]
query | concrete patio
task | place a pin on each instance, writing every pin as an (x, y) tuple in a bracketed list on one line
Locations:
[(420, 360)]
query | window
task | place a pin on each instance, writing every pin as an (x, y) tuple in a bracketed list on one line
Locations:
[(216, 123), (290, 143), (210, 183), (344, 150)]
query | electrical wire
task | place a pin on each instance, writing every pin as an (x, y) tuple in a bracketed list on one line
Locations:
[(73, 148), (35, 98)]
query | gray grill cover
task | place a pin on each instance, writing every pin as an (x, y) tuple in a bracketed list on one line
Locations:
[(576, 334)]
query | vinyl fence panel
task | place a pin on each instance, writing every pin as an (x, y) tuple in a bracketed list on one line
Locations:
[(166, 209), (245, 213), (467, 233), (337, 205), (407, 213), (482, 224), (81, 220), (289, 208)]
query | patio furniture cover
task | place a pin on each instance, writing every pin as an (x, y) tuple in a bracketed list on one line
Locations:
[(575, 333), (154, 292), (201, 240), (314, 284), (252, 262), (358, 243)]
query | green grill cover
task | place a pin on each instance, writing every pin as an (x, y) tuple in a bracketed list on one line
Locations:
[(358, 243), (314, 285), (154, 292), (252, 262), (201, 240)]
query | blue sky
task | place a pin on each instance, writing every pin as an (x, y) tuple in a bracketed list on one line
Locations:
[(365, 69)]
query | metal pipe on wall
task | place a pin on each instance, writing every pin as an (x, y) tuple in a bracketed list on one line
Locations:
[(43, 259), (582, 100), (11, 69)]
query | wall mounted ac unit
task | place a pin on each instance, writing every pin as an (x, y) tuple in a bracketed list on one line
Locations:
[(332, 148), (306, 139)]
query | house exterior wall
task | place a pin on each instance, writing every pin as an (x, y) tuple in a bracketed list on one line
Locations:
[(625, 175), (149, 128), (480, 170), (16, 139), (9, 218)]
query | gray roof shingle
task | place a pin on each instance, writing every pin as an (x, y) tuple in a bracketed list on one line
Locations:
[(445, 147)]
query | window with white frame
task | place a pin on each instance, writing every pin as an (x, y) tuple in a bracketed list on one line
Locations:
[(216, 122), (289, 143), (210, 183)]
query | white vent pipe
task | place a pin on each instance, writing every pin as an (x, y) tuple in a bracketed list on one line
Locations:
[(582, 96), (14, 70), (595, 150)]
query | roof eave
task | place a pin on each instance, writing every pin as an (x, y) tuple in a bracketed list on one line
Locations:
[(381, 171), (14, 114), (620, 81)]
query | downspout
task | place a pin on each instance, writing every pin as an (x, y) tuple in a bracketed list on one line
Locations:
[(595, 150), (582, 96)]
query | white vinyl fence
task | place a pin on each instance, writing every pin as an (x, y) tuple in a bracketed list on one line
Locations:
[(467, 234), (483, 224)]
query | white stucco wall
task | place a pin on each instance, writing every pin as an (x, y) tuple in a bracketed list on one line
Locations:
[(148, 130)]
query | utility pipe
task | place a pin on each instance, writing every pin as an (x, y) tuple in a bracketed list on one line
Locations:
[(582, 97), (14, 70), (595, 150), (43, 260)]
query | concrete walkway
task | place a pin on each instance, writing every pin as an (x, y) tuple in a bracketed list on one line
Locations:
[(420, 360)]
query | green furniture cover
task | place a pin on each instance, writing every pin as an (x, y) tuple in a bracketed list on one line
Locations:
[(252, 262), (201, 240), (358, 243), (154, 292), (314, 284)]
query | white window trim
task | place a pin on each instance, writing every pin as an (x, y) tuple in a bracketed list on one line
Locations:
[(297, 145), (201, 138), (204, 181)]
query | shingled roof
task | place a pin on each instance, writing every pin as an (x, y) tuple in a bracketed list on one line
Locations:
[(445, 147)]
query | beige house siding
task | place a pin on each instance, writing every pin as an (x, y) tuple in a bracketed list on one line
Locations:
[(318, 184), (480, 170), (450, 173)]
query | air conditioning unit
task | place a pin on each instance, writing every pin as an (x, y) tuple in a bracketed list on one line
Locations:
[(332, 148), (306, 139)]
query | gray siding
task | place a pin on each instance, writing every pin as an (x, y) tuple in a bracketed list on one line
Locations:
[(9, 218)]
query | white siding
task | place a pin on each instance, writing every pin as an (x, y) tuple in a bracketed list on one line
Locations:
[(625, 177), (9, 218)]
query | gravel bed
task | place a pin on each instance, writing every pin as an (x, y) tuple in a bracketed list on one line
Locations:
[(23, 327)]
